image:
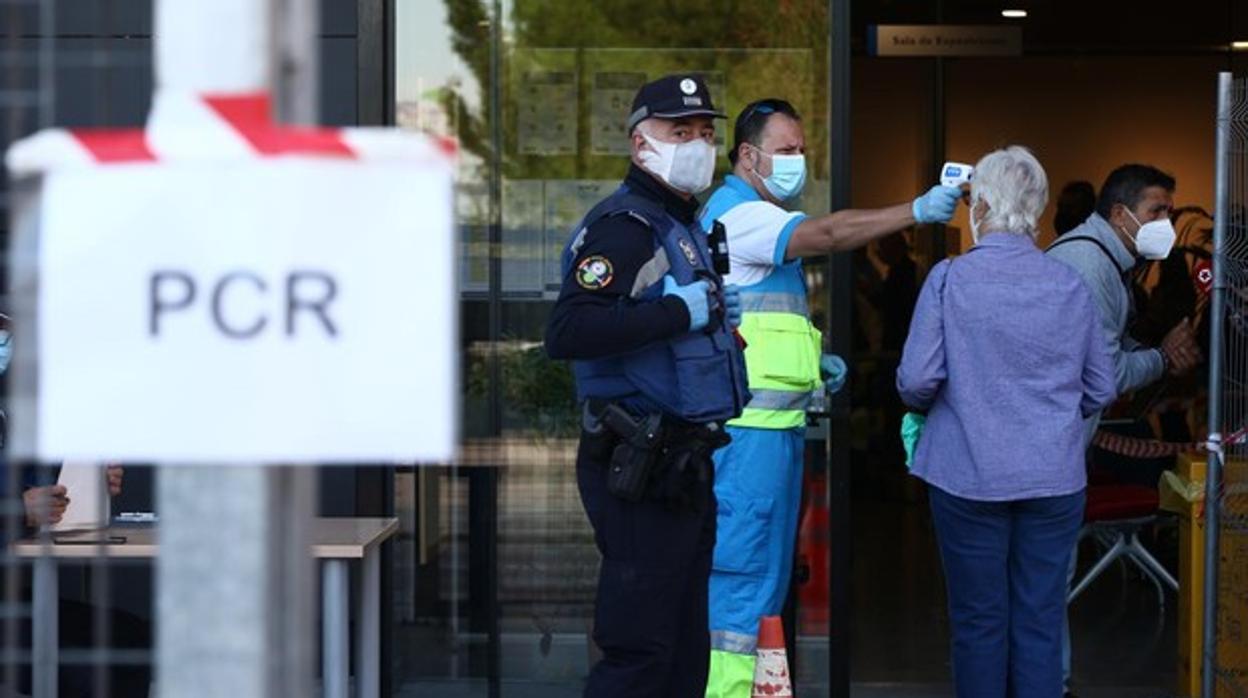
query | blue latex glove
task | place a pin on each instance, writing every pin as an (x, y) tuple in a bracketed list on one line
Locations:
[(836, 371), (732, 305), (937, 205), (696, 297)]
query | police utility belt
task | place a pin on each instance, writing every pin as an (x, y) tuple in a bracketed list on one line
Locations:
[(654, 454)]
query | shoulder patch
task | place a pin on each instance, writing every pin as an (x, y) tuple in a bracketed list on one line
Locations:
[(595, 272), (690, 253)]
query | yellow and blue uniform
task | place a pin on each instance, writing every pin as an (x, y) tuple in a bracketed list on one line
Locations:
[(758, 477)]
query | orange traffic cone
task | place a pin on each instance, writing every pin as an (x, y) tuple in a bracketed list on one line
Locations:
[(771, 669)]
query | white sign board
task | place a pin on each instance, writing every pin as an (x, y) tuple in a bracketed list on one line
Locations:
[(944, 40), (288, 310)]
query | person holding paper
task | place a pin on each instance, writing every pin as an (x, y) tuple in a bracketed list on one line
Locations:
[(44, 506), (47, 506)]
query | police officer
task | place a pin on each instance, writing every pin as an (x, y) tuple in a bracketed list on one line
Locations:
[(648, 325)]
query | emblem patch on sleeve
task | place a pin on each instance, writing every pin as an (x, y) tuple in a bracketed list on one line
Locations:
[(594, 272)]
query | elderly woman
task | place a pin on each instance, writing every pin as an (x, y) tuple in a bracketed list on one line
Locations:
[(1006, 356)]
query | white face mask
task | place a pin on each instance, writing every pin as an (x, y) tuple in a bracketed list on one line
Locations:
[(1154, 239), (687, 167), (970, 213)]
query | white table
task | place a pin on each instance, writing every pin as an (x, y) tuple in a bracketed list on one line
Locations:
[(336, 542)]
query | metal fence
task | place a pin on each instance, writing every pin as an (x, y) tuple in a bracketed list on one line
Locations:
[(26, 104), (1225, 662), (66, 64)]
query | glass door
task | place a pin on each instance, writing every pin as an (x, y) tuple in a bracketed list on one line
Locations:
[(496, 576)]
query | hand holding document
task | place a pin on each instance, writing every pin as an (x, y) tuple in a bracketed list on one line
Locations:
[(86, 486)]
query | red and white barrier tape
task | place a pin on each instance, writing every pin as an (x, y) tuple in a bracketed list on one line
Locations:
[(1133, 447), (212, 128)]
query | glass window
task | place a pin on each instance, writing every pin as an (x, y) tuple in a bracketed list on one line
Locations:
[(567, 71)]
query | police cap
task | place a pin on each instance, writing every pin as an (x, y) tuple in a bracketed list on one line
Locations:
[(671, 97)]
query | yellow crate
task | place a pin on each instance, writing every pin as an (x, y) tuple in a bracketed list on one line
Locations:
[(1232, 584)]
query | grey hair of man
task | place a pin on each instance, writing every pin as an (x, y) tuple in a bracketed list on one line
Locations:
[(1011, 185), (649, 127), (645, 127)]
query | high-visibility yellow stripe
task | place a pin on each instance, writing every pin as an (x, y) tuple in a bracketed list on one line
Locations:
[(731, 675), (782, 362), (769, 419)]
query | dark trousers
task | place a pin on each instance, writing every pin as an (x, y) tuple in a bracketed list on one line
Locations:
[(650, 619), (1005, 567)]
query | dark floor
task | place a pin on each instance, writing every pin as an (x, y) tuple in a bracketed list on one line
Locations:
[(529, 689), (1125, 643), (1122, 636)]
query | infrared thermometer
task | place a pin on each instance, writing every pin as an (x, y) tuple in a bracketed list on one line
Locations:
[(955, 174)]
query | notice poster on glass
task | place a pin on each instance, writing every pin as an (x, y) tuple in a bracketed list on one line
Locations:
[(546, 102), (522, 236), (474, 258), (734, 77), (472, 216), (567, 202), (611, 101)]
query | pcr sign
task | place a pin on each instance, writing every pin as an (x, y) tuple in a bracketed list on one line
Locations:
[(258, 310)]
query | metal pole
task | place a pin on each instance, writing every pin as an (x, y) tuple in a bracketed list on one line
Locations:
[(234, 589), (368, 626), (486, 483), (46, 642), (234, 573), (840, 332), (224, 46), (293, 490), (47, 63), (45, 635), (214, 591), (296, 91), (335, 610), (1213, 475)]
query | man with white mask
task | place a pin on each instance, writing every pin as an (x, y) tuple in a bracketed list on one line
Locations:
[(1131, 222), (758, 477), (648, 325)]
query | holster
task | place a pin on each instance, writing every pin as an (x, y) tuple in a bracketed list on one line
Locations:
[(686, 469), (633, 458), (666, 458)]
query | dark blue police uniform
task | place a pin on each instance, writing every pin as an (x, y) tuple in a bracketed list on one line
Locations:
[(631, 347)]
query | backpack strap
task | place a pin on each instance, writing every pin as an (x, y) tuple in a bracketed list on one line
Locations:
[(1100, 245)]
